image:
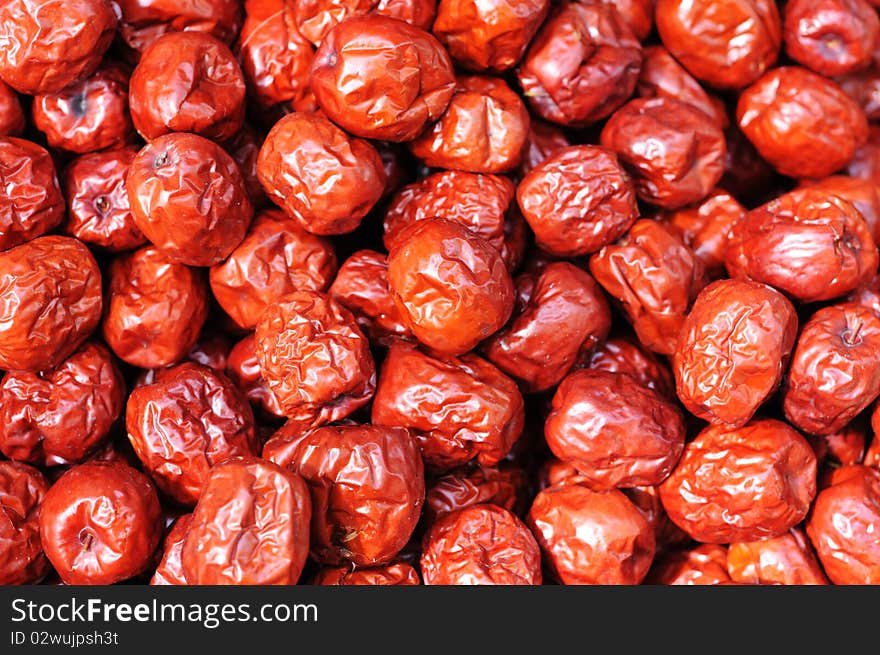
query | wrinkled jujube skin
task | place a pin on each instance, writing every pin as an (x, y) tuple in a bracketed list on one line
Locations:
[(503, 486), (361, 286), (582, 65), (460, 408), (647, 500), (655, 276), (480, 545), (170, 569), (482, 203), (741, 484), (787, 559), (50, 302), (100, 523), (542, 141), (47, 44), (324, 179), (591, 537), (143, 21), (843, 527), (845, 446), (725, 43), (674, 151), (243, 368), (733, 350), (98, 210), (831, 37), (803, 124), (244, 148), (315, 18), (382, 78), (314, 358), (488, 36), (614, 431), (865, 162), (627, 355), (187, 82), (705, 564), (89, 115), (835, 369), (184, 423), (578, 200), (59, 416), (155, 308), (807, 243), (705, 227), (31, 203), (451, 287), (562, 314), (12, 121), (483, 129), (22, 489), (864, 195), (251, 526), (276, 258), (275, 58), (663, 77), (397, 573), (189, 199), (864, 88), (368, 486)]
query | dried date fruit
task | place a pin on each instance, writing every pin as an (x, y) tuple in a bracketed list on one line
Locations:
[(189, 199), (100, 523), (488, 36), (314, 358), (397, 573), (741, 484), (591, 537), (835, 369), (614, 431), (47, 44), (60, 416), (733, 350), (170, 569), (451, 287), (275, 258), (22, 489), (803, 124), (562, 315), (656, 278), (250, 527), (50, 302), (705, 564), (478, 545), (843, 527), (460, 408), (787, 559), (674, 151), (185, 422), (156, 308), (578, 200), (725, 43), (582, 65), (367, 486), (187, 82), (324, 179), (808, 243), (382, 78)]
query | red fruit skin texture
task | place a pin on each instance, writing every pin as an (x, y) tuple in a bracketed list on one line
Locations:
[(183, 424), (461, 408), (478, 545), (590, 537), (733, 350), (250, 527), (100, 523), (741, 484)]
